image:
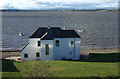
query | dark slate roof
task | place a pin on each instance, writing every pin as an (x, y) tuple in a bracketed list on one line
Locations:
[(54, 32)]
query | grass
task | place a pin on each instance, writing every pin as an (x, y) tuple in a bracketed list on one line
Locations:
[(99, 65), (103, 57)]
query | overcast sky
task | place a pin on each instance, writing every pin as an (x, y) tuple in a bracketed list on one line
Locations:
[(58, 4)]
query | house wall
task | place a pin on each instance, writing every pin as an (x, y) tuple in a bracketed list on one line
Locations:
[(43, 50), (55, 52), (65, 47), (77, 48), (33, 47)]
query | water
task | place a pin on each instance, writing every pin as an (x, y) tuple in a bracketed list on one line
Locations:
[(101, 28)]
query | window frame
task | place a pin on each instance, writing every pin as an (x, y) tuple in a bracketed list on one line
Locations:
[(37, 54), (57, 42), (46, 49), (25, 56), (38, 43), (72, 43)]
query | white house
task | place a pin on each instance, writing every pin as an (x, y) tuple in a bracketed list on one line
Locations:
[(52, 43)]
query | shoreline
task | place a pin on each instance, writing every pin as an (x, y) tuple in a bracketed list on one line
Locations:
[(93, 50), (101, 50), (16, 53)]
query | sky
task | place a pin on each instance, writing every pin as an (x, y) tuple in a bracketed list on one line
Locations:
[(58, 4)]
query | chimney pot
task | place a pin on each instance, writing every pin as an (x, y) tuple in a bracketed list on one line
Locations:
[(48, 26)]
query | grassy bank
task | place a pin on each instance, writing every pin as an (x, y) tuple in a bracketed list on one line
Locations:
[(99, 65)]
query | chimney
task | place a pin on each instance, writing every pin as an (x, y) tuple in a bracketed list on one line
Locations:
[(48, 26), (64, 28)]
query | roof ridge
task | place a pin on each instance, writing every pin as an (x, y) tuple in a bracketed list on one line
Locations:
[(33, 32), (44, 35), (24, 47)]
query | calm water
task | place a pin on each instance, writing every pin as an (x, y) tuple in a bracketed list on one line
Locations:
[(101, 28)]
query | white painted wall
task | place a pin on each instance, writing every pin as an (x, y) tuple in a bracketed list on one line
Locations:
[(77, 48), (65, 47), (43, 52), (33, 47), (55, 52)]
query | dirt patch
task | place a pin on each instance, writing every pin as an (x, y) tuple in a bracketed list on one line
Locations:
[(9, 54), (105, 50)]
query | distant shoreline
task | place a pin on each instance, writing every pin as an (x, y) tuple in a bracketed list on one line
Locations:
[(61, 10)]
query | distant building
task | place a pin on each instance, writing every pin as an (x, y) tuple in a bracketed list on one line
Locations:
[(52, 43)]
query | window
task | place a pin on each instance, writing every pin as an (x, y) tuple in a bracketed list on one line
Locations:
[(57, 42), (72, 43), (38, 43), (47, 49), (25, 55), (37, 54)]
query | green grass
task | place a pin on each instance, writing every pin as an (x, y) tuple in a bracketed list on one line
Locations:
[(95, 66), (107, 57)]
